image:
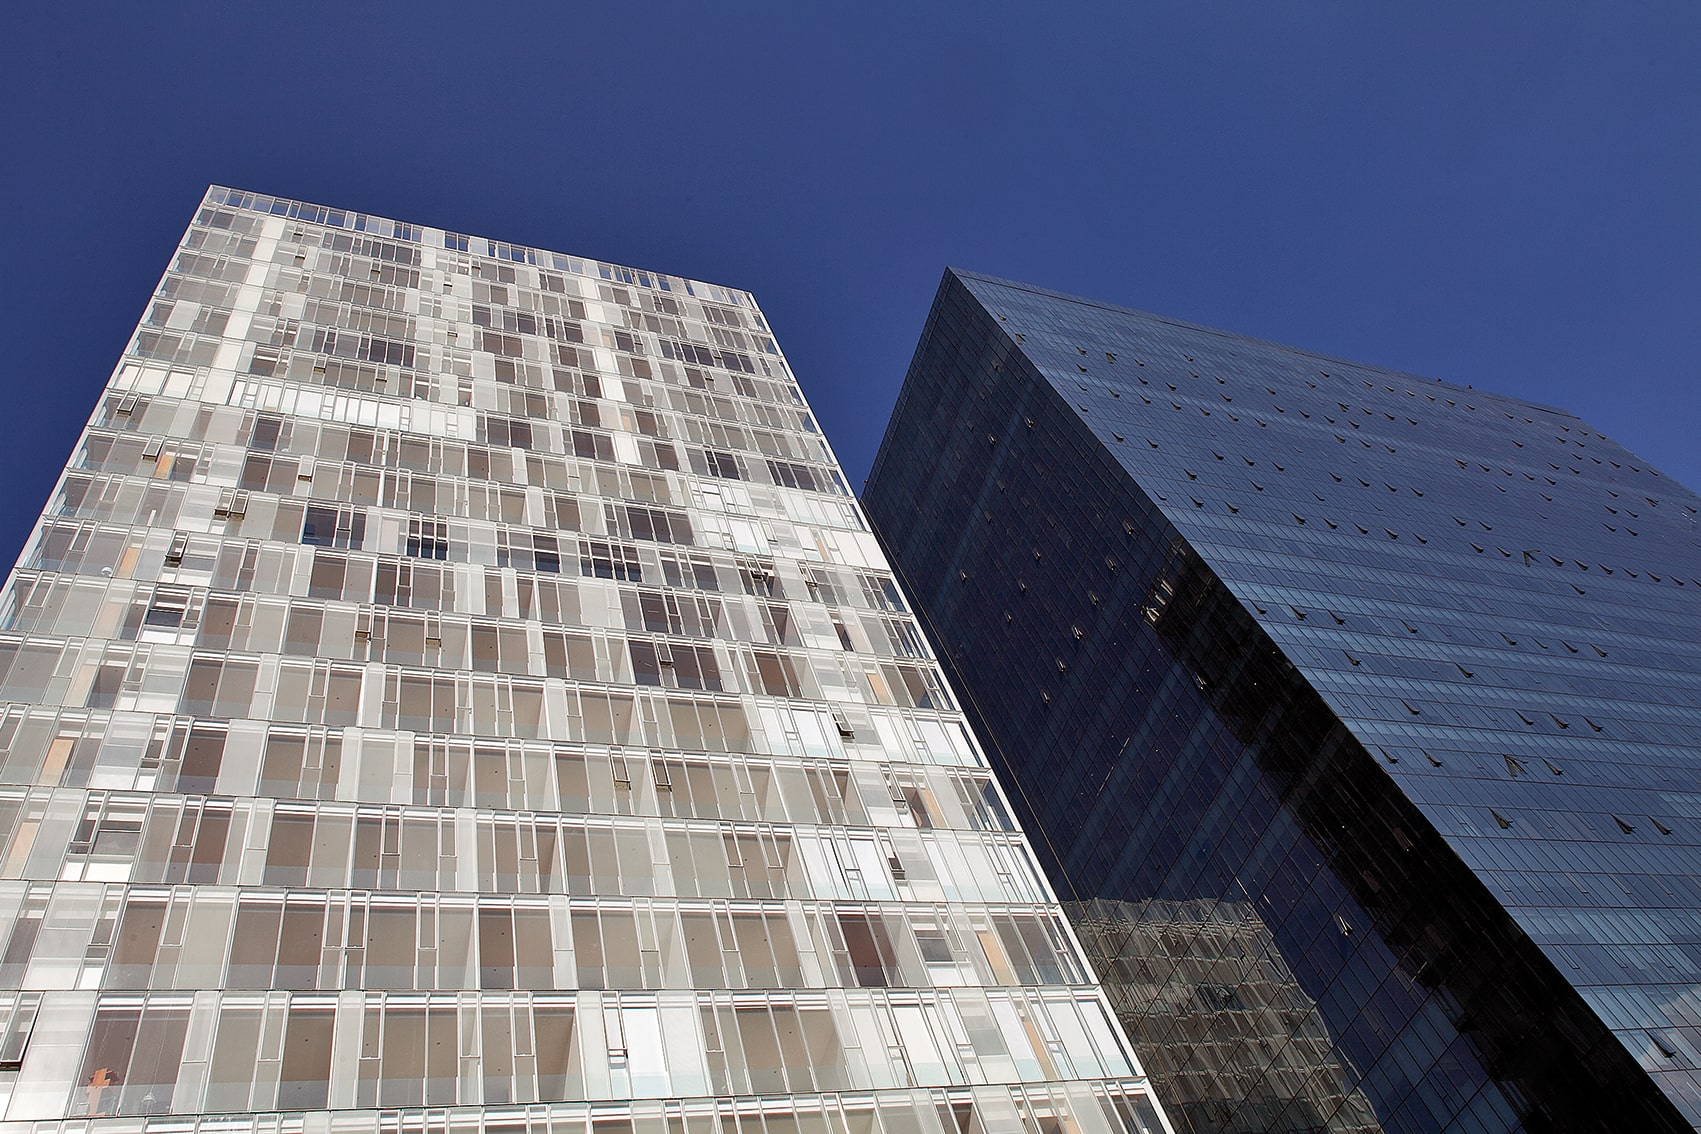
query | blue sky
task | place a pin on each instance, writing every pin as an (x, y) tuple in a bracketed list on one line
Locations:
[(1501, 194)]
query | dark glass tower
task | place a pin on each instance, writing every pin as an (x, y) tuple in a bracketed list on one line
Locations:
[(1358, 714)]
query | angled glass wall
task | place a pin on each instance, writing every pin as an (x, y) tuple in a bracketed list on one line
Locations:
[(452, 687), (1400, 678)]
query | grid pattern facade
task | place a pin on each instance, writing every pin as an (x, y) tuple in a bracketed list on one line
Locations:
[(1411, 669), (1210, 980), (452, 687)]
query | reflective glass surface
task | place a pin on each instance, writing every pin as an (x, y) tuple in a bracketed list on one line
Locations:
[(452, 687), (1317, 677)]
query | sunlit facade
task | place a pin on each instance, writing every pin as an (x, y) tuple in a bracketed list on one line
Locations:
[(452, 687)]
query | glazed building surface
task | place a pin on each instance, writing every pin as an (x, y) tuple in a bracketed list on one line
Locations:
[(1407, 672), (452, 686)]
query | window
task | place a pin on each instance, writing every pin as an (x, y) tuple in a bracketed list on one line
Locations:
[(428, 539), (17, 1019), (604, 560), (334, 527), (546, 554)]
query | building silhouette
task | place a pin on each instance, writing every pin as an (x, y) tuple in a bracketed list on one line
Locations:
[(1387, 689), (452, 688)]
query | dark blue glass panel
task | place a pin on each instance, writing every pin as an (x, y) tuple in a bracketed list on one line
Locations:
[(1359, 714)]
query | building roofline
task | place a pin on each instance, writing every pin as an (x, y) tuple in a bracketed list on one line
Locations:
[(1201, 328), (216, 187)]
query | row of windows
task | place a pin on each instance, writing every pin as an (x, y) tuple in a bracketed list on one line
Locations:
[(181, 610), (95, 749), (509, 416), (325, 525), (1493, 694), (1445, 599), (190, 561), (1579, 871), (86, 501), (156, 676), (1091, 1107), (172, 1053), (353, 266), (499, 304), (504, 256), (80, 937), (322, 453), (334, 845), (766, 434), (284, 762), (1291, 438), (227, 232), (525, 390), (177, 459), (492, 510), (1297, 528), (515, 337), (95, 552), (154, 460), (164, 679)]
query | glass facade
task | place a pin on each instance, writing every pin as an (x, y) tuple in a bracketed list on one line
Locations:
[(452, 687), (1348, 710)]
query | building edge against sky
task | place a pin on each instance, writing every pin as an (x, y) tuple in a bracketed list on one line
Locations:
[(451, 685), (1353, 714)]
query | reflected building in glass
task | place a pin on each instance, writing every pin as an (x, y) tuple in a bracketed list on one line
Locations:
[(452, 688), (1356, 716)]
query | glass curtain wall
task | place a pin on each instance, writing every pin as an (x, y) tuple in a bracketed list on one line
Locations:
[(453, 686)]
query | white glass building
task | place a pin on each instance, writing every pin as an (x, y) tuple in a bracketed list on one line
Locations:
[(452, 687)]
